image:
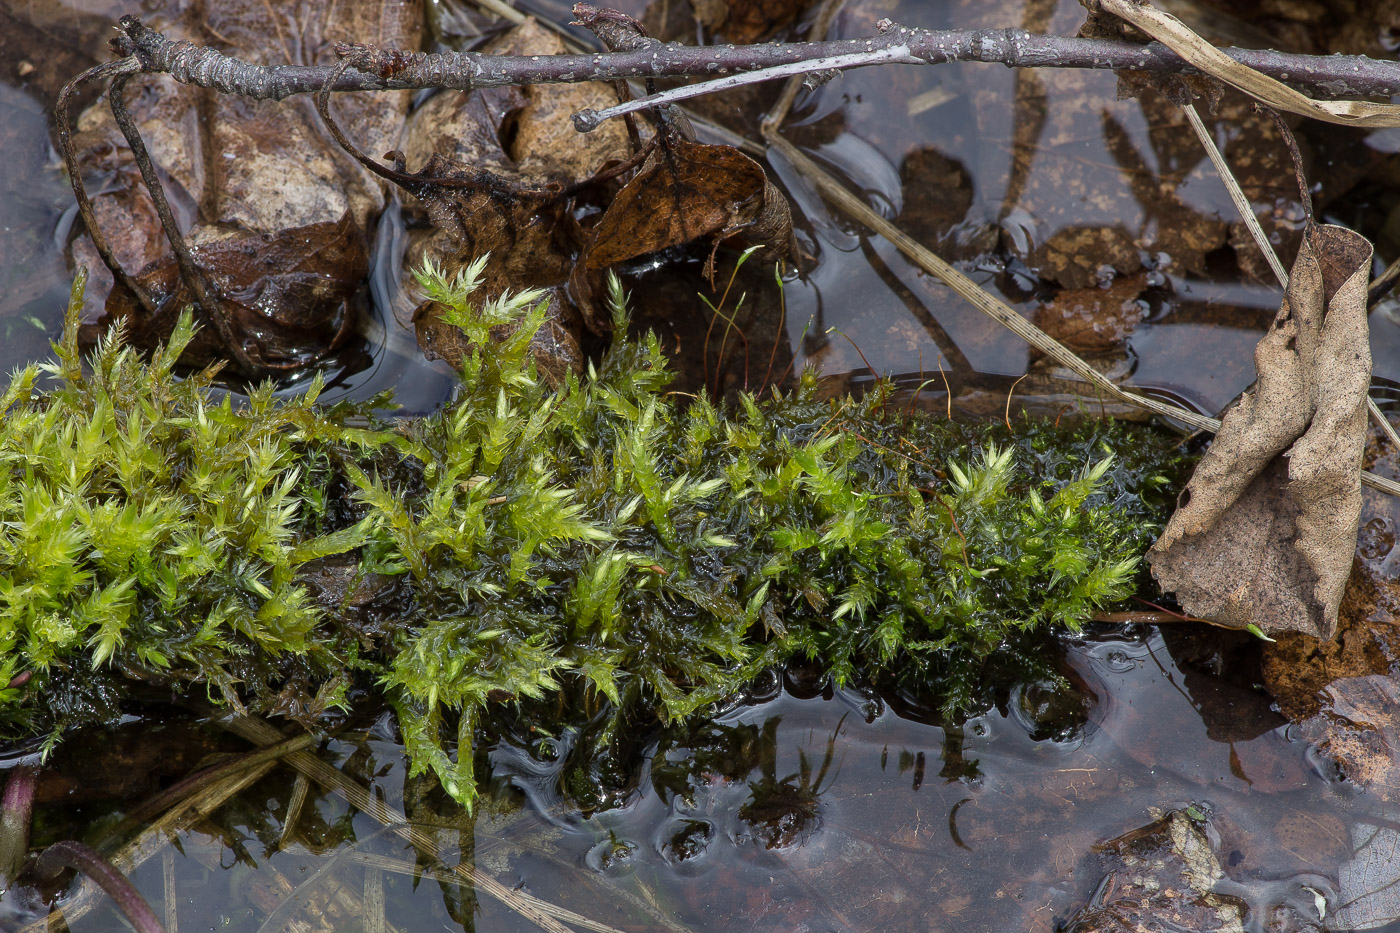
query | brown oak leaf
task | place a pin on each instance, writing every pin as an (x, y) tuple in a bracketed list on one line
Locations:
[(1265, 531)]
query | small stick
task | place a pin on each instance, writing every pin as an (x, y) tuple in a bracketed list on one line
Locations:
[(124, 68), (189, 270), (1383, 283), (587, 120), (1292, 143)]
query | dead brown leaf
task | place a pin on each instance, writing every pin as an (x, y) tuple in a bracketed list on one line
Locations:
[(746, 21), (687, 190), (492, 185), (1166, 869), (1094, 320), (1266, 529), (290, 294)]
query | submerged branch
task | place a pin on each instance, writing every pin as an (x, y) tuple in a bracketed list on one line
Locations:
[(389, 69)]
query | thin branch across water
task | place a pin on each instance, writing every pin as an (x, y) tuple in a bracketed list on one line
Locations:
[(391, 69)]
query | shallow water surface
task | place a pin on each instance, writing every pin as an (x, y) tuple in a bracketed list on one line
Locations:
[(806, 807), (996, 170), (802, 808)]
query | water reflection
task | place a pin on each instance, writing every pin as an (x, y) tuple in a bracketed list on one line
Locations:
[(803, 806)]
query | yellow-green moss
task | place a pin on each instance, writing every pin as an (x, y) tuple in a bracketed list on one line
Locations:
[(601, 533)]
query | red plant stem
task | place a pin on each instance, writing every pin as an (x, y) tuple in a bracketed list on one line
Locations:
[(15, 812), (75, 855)]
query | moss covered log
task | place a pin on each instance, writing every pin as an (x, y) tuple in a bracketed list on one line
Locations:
[(273, 553)]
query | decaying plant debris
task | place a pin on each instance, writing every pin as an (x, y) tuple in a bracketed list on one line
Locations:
[(523, 538), (1266, 529)]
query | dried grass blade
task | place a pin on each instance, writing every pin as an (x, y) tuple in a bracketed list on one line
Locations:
[(1236, 194), (837, 194), (255, 730), (1175, 35)]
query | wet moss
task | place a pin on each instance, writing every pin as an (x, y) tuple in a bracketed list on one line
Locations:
[(600, 537)]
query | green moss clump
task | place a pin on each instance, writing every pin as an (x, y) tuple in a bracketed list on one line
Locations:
[(598, 534)]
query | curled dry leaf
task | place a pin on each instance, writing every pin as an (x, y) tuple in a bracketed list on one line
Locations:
[(1266, 529)]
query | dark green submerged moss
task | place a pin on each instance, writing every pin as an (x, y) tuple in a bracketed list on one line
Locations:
[(600, 535)]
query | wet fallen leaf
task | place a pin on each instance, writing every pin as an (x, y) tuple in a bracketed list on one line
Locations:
[(542, 140), (492, 185), (273, 212), (1160, 875), (290, 294), (685, 191), (1266, 528), (745, 21), (1360, 731), (1094, 320)]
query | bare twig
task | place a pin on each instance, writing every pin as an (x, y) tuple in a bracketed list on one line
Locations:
[(1171, 31), (388, 69), (585, 121), (112, 70), (189, 269)]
